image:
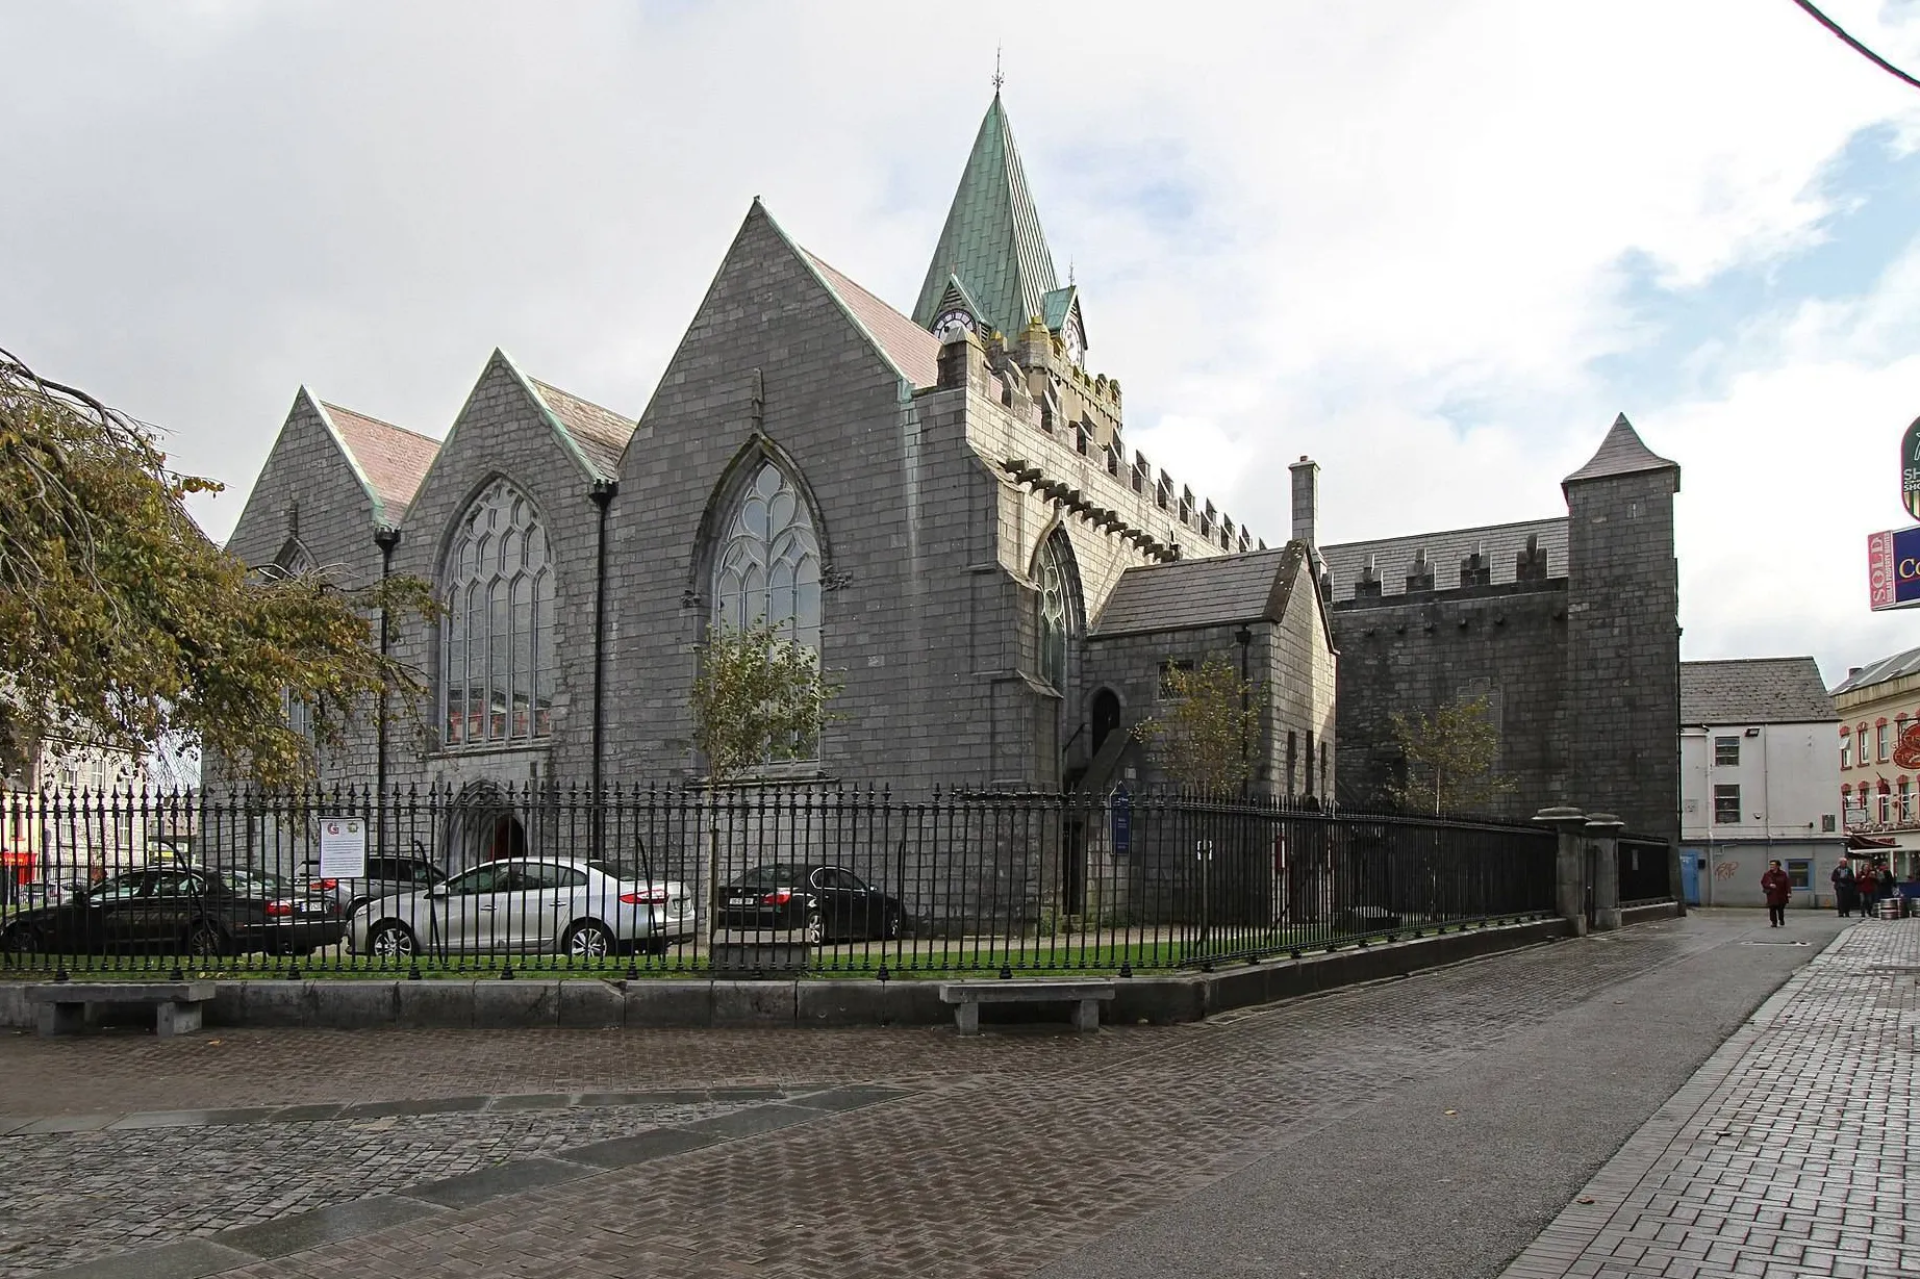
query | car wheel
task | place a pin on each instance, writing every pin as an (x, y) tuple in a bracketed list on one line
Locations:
[(890, 924), (22, 939), (390, 940), (588, 941), (816, 928), (204, 942)]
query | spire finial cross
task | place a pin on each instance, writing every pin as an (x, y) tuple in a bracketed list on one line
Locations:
[(998, 79)]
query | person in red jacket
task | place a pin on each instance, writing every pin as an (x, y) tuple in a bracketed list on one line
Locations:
[(1778, 888)]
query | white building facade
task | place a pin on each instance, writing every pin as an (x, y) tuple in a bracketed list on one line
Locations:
[(1759, 780)]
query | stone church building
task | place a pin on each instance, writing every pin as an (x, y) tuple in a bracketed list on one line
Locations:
[(942, 504)]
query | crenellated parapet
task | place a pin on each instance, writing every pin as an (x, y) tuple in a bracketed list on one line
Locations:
[(1062, 427)]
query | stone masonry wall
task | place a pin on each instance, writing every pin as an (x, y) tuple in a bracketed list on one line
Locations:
[(333, 524), (1412, 653), (1623, 693)]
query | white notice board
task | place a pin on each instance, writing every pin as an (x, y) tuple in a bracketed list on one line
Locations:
[(343, 848)]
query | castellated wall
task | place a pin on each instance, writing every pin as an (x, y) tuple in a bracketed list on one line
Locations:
[(1418, 651)]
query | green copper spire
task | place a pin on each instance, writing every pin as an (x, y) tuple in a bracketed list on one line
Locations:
[(992, 243)]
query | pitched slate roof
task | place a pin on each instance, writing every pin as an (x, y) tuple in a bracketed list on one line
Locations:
[(913, 350), (1881, 671), (1217, 591), (1393, 556), (992, 238), (391, 460), (1754, 690), (1621, 453), (601, 433)]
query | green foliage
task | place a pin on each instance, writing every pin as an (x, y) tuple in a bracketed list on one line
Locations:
[(1450, 758), (758, 698), (1206, 739), (120, 623)]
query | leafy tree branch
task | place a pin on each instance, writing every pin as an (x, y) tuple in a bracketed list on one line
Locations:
[(121, 624)]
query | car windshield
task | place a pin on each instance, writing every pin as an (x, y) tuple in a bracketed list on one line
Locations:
[(777, 876)]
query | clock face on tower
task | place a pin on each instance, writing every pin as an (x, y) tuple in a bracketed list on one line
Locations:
[(951, 320), (1076, 349)]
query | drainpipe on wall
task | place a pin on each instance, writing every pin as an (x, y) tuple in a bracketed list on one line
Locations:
[(386, 537), (602, 495)]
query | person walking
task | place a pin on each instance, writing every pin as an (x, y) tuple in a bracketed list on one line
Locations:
[(1778, 889), (1846, 894), (1866, 882)]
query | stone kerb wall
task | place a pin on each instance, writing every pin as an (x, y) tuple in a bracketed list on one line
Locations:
[(1413, 653)]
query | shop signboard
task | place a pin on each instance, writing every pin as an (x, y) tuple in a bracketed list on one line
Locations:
[(1910, 469), (1893, 569)]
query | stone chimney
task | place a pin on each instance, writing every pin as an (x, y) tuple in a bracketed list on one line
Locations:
[(1306, 499)]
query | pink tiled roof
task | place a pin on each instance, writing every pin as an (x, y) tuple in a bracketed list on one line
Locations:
[(914, 350), (601, 433), (393, 458)]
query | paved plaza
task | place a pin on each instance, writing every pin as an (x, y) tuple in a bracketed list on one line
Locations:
[(1430, 1126)]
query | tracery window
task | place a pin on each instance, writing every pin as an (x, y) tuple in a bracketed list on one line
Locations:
[(1055, 579), (768, 569), (496, 652)]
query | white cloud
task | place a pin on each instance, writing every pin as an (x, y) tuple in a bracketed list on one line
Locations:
[(1390, 235)]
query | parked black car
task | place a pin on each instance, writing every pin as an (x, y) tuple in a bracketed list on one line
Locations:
[(179, 910), (828, 903)]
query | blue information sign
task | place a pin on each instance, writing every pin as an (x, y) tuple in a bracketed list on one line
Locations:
[(1120, 805)]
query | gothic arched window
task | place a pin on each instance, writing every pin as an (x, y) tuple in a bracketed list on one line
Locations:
[(1055, 577), (768, 568), (496, 651)]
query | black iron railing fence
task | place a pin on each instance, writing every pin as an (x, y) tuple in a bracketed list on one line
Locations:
[(549, 879)]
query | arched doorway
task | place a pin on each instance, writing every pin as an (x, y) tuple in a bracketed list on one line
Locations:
[(1106, 716), (483, 824)]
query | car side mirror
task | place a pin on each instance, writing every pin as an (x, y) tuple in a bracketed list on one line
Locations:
[(438, 890)]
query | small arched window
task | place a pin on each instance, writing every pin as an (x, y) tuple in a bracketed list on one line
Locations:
[(496, 651), (768, 569), (1055, 577)]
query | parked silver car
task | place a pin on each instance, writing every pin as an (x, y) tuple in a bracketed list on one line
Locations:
[(540, 905)]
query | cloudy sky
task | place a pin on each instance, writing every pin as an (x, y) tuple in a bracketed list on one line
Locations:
[(1436, 244)]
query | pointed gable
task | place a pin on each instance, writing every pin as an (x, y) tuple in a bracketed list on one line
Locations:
[(390, 460), (1621, 453), (992, 241)]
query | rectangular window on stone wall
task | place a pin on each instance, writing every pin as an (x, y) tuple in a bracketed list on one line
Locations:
[(1726, 750), (1293, 748), (1846, 749), (1826, 823), (1726, 805), (1881, 744)]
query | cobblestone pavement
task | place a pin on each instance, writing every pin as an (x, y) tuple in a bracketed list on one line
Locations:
[(1009, 1150), (1791, 1153), (119, 1188)]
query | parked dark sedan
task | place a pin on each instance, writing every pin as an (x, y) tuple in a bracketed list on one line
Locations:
[(828, 903), (179, 910)]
